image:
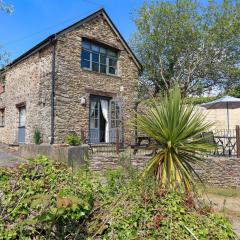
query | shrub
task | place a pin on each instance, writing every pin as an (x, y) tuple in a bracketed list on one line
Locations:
[(37, 137), (46, 200), (73, 139), (43, 200), (134, 210)]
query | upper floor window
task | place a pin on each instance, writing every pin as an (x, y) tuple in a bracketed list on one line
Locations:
[(2, 117), (97, 58)]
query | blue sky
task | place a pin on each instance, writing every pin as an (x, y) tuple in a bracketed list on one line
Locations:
[(34, 20)]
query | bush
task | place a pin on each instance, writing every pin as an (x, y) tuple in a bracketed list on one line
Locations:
[(37, 137), (73, 139), (43, 200), (46, 200), (134, 210)]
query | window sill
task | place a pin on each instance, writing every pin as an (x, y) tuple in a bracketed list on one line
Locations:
[(99, 73), (2, 126)]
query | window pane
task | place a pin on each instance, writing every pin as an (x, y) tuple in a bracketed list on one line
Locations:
[(96, 123), (22, 117), (118, 123), (112, 53), (113, 124), (92, 123), (103, 59), (112, 70), (95, 67), (95, 57), (112, 62), (103, 50), (86, 44), (95, 48), (85, 55), (103, 68), (85, 64)]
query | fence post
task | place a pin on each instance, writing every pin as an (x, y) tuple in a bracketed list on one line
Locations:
[(238, 140), (117, 140)]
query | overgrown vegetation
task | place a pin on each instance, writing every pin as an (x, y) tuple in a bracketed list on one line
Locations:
[(73, 139), (43, 200), (37, 138), (46, 200), (134, 210)]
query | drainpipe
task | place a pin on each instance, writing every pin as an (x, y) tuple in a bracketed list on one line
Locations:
[(53, 89)]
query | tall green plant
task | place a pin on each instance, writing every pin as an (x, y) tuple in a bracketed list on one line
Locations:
[(37, 138), (176, 127)]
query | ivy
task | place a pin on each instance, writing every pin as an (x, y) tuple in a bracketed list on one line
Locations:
[(47, 200), (42, 198)]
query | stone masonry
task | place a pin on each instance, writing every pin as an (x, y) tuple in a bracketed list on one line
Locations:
[(29, 81), (73, 82)]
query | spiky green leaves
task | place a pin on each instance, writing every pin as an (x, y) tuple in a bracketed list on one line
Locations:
[(176, 127)]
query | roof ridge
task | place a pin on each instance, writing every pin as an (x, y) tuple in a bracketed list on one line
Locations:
[(51, 37)]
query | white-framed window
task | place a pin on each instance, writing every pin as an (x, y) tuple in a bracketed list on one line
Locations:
[(98, 58), (2, 117)]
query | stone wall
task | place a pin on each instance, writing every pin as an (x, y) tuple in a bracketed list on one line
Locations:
[(218, 171), (69, 155), (73, 82), (28, 82)]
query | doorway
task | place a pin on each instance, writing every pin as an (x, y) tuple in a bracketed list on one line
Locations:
[(99, 119), (104, 120), (21, 126)]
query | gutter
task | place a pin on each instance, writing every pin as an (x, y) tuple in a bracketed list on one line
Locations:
[(53, 41)]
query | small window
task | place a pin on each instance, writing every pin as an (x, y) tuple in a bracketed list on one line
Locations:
[(2, 83), (2, 117), (22, 116), (97, 58)]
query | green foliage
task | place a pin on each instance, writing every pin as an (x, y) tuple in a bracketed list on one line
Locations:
[(5, 7), (200, 100), (46, 200), (189, 43), (4, 56), (177, 128), (134, 210), (43, 200), (235, 92), (37, 139), (73, 139)]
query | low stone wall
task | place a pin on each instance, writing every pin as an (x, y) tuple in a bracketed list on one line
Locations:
[(214, 170), (220, 171), (72, 156)]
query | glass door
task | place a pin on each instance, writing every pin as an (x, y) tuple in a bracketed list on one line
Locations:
[(116, 120), (94, 120)]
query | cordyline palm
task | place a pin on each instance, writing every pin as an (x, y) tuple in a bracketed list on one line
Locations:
[(177, 128)]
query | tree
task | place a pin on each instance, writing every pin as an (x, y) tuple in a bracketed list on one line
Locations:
[(176, 127), (3, 54), (5, 7), (184, 42)]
